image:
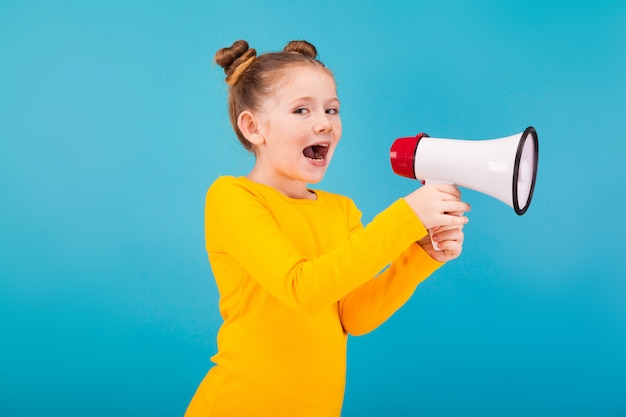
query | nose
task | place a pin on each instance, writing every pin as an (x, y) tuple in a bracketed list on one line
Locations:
[(323, 123)]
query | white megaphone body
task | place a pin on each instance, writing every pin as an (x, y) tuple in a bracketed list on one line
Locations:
[(504, 168)]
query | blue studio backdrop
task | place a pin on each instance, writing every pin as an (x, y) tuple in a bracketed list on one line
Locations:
[(113, 124)]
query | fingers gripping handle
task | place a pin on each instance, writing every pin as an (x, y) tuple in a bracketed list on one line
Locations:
[(431, 232)]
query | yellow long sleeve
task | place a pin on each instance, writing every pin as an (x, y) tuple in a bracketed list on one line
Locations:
[(373, 303), (294, 276)]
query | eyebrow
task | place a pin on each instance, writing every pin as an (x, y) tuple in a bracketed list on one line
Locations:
[(307, 98)]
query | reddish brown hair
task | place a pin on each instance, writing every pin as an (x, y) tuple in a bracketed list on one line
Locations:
[(252, 78)]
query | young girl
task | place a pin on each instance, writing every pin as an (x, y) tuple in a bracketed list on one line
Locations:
[(296, 270)]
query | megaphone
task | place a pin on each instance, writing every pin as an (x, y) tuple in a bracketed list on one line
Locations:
[(504, 168)]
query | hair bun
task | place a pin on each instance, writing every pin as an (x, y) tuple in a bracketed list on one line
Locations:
[(302, 47), (235, 60)]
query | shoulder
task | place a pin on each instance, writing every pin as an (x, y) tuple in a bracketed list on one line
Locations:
[(230, 199), (229, 196), (224, 183), (226, 192), (231, 187)]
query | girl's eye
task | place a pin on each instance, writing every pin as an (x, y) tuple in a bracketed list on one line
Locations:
[(332, 110), (301, 110)]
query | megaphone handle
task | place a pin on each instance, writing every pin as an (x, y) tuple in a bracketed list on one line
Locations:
[(430, 231)]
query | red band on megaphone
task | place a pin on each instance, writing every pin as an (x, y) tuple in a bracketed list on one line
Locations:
[(402, 155)]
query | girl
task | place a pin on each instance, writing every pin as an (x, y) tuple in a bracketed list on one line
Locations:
[(296, 270)]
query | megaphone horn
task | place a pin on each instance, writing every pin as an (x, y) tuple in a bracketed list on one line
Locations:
[(504, 168)]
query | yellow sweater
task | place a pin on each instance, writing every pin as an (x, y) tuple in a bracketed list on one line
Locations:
[(295, 277)]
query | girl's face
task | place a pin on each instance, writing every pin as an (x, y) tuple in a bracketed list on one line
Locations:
[(297, 130)]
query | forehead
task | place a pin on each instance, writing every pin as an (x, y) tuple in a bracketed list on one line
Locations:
[(307, 80)]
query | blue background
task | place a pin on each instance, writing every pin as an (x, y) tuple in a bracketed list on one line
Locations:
[(113, 124)]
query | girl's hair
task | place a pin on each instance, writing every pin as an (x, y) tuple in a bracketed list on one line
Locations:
[(251, 78)]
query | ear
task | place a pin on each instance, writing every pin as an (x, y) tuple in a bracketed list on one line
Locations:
[(249, 124)]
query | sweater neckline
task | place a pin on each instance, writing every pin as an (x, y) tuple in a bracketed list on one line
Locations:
[(306, 201)]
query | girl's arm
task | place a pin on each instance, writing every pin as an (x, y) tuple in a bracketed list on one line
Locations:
[(370, 305), (240, 225)]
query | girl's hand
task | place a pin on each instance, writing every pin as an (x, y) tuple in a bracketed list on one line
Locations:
[(450, 242), (438, 205)]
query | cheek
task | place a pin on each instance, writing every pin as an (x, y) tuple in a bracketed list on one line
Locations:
[(337, 128)]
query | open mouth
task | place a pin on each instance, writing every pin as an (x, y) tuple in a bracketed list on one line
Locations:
[(316, 152)]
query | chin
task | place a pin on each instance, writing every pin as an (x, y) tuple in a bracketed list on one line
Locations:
[(314, 179), (315, 174)]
